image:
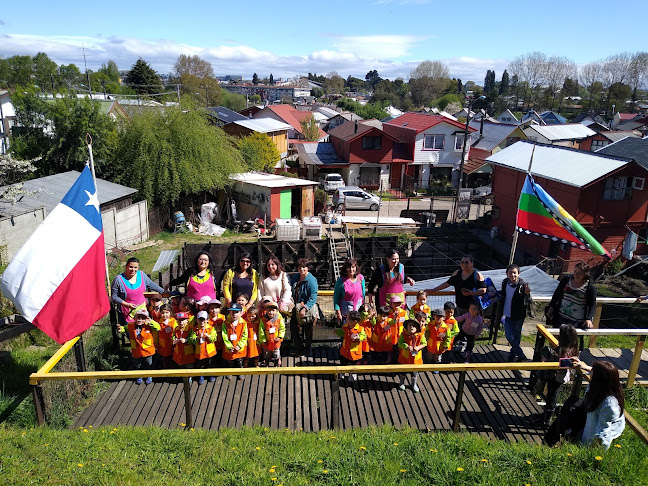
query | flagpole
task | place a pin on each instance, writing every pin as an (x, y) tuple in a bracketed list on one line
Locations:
[(517, 233), (94, 179)]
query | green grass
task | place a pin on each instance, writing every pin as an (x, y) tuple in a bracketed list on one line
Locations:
[(262, 456)]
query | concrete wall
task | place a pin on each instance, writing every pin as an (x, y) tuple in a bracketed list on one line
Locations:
[(16, 230), (127, 226)]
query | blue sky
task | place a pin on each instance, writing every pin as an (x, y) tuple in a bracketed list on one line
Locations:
[(289, 38)]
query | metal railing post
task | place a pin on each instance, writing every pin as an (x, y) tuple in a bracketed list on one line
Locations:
[(39, 404), (539, 343), (459, 400), (187, 399), (335, 402), (79, 355)]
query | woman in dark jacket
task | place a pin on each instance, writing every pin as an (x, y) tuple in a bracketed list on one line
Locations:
[(574, 301), (516, 299)]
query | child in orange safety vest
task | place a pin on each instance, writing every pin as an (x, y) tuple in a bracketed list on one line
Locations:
[(397, 315), (216, 319), (253, 349), (453, 326), (352, 334), (205, 347), (367, 323), (436, 335), (411, 344), (421, 306), (165, 336), (183, 342), (272, 330), (380, 340), (235, 336), (141, 340)]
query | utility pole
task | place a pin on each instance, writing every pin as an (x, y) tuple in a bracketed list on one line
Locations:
[(87, 72)]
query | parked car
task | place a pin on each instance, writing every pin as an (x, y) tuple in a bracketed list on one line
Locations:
[(352, 197), (484, 193), (330, 182)]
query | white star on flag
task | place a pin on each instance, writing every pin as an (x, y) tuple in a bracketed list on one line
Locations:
[(92, 200)]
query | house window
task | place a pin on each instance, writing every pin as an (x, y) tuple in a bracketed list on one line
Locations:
[(617, 189), (459, 140), (506, 119), (597, 144), (433, 142), (371, 143)]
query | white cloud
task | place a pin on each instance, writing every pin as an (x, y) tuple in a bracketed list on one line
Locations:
[(349, 55)]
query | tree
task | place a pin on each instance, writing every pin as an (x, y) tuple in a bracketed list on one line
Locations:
[(333, 83), (317, 92), (259, 152), (373, 78), (638, 76), (43, 69), (310, 130), (355, 84), (165, 154), (233, 101), (460, 87), (570, 87), (271, 80), (143, 79), (194, 66), (428, 81), (13, 172), (111, 71), (489, 81), (55, 131), (68, 75), (615, 70), (590, 77), (255, 79), (505, 83), (19, 70)]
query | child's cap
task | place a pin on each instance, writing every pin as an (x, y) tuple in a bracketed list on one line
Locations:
[(438, 312), (182, 315), (215, 302), (235, 307), (267, 298), (142, 312), (396, 298), (204, 300), (175, 293), (271, 305), (155, 296), (202, 315)]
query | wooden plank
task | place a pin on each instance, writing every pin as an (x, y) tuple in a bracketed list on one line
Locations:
[(105, 406), (200, 411), (229, 418), (429, 404), (252, 398), (277, 390), (323, 395), (312, 393), (260, 396), (290, 397), (135, 406), (130, 390), (208, 420), (244, 403), (90, 414), (299, 417), (267, 400), (169, 407), (223, 399), (305, 401), (368, 393), (154, 408)]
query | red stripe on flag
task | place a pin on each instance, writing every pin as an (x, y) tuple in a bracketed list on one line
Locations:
[(80, 300), (543, 225)]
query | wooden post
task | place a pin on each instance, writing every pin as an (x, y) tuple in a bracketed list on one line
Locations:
[(596, 322), (539, 343), (187, 398), (39, 404), (79, 355), (335, 402), (457, 411), (636, 359)]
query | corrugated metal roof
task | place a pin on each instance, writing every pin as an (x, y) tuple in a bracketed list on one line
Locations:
[(569, 131), (165, 259), (628, 147), (49, 191), (270, 180), (263, 125), (224, 114), (562, 164), (321, 153), (494, 134)]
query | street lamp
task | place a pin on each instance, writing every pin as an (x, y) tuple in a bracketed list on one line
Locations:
[(463, 156)]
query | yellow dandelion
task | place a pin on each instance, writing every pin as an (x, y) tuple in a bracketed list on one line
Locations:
[(618, 446), (80, 428), (183, 425), (115, 429), (325, 471), (459, 469), (433, 450), (363, 448), (191, 429), (272, 470), (80, 465), (395, 443), (598, 458), (527, 484), (569, 454), (233, 448), (85, 430), (103, 465), (274, 467), (403, 470), (89, 426), (258, 448), (484, 460), (273, 479), (528, 462), (112, 431), (320, 461), (333, 437)]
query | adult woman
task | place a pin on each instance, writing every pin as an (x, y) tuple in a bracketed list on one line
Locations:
[(199, 280), (275, 284), (241, 279), (605, 420), (305, 313), (349, 290), (128, 290), (516, 299), (468, 283), (388, 279), (574, 300)]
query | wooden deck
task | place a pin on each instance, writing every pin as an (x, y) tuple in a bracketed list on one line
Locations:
[(496, 404)]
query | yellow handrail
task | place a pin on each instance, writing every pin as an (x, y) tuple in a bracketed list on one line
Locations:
[(58, 356)]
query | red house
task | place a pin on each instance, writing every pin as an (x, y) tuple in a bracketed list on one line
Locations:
[(607, 195), (604, 138)]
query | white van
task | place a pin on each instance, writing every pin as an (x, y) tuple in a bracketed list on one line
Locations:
[(330, 182)]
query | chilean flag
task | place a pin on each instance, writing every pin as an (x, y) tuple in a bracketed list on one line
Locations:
[(57, 281)]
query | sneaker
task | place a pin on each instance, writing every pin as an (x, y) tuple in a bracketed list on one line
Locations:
[(523, 360), (149, 380), (212, 379), (139, 381), (402, 387), (511, 357), (353, 377), (435, 372), (201, 380), (240, 377), (415, 388)]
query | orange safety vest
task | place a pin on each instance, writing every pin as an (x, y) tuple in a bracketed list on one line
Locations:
[(366, 324), (351, 350), (380, 339), (183, 353), (453, 328), (423, 308), (238, 329), (270, 343), (435, 336), (218, 325), (397, 326), (404, 356), (206, 348), (142, 344), (165, 338), (253, 336)]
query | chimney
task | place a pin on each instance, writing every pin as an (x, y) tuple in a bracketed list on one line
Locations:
[(481, 126), (356, 127)]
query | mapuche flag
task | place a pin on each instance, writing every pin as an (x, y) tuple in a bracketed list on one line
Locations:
[(539, 214), (57, 280)]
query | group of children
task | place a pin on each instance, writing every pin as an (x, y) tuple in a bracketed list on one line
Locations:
[(195, 334), (392, 334)]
